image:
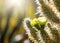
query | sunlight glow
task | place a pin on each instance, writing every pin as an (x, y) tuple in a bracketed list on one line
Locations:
[(16, 4)]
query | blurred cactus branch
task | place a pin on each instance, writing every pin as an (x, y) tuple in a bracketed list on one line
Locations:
[(16, 28), (0, 23), (0, 26), (6, 27)]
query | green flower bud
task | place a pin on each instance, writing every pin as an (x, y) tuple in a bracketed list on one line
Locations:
[(38, 22), (34, 22), (42, 20)]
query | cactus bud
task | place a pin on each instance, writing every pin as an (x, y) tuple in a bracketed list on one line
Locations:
[(42, 20), (35, 23)]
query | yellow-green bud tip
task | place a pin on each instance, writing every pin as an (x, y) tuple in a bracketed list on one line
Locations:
[(34, 22), (42, 20)]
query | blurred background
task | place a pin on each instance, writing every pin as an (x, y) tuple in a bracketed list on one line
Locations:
[(12, 14)]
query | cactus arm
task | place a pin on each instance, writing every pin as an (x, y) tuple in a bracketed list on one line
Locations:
[(57, 4), (55, 33), (48, 12)]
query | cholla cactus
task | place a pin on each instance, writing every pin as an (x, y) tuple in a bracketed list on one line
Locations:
[(41, 29)]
